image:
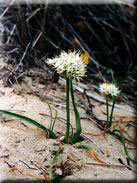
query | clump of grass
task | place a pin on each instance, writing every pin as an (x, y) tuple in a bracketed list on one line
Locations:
[(50, 173)]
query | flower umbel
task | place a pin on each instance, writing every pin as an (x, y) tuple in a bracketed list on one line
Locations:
[(109, 89), (70, 64)]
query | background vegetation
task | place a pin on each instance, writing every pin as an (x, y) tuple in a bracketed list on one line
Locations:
[(107, 32)]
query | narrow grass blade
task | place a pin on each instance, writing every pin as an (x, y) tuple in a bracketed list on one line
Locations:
[(53, 124), (29, 120), (120, 136), (51, 115)]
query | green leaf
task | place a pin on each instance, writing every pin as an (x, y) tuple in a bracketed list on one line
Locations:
[(122, 139), (76, 135), (29, 120)]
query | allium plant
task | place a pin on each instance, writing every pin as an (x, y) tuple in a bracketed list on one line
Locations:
[(72, 65), (109, 90)]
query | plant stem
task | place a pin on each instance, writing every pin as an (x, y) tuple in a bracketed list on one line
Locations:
[(107, 110), (111, 115), (76, 136), (68, 84)]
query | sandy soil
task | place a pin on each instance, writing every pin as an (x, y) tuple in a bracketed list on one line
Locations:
[(26, 152)]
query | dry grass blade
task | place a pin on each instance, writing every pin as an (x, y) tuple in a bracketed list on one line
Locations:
[(5, 11), (91, 152)]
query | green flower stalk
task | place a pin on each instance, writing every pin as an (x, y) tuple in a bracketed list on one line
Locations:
[(109, 90), (76, 136), (107, 108), (111, 114), (68, 109), (72, 65)]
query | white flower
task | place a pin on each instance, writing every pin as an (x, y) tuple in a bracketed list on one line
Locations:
[(71, 64), (109, 89)]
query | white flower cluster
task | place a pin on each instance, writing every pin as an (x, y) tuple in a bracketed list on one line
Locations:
[(109, 89), (71, 64)]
